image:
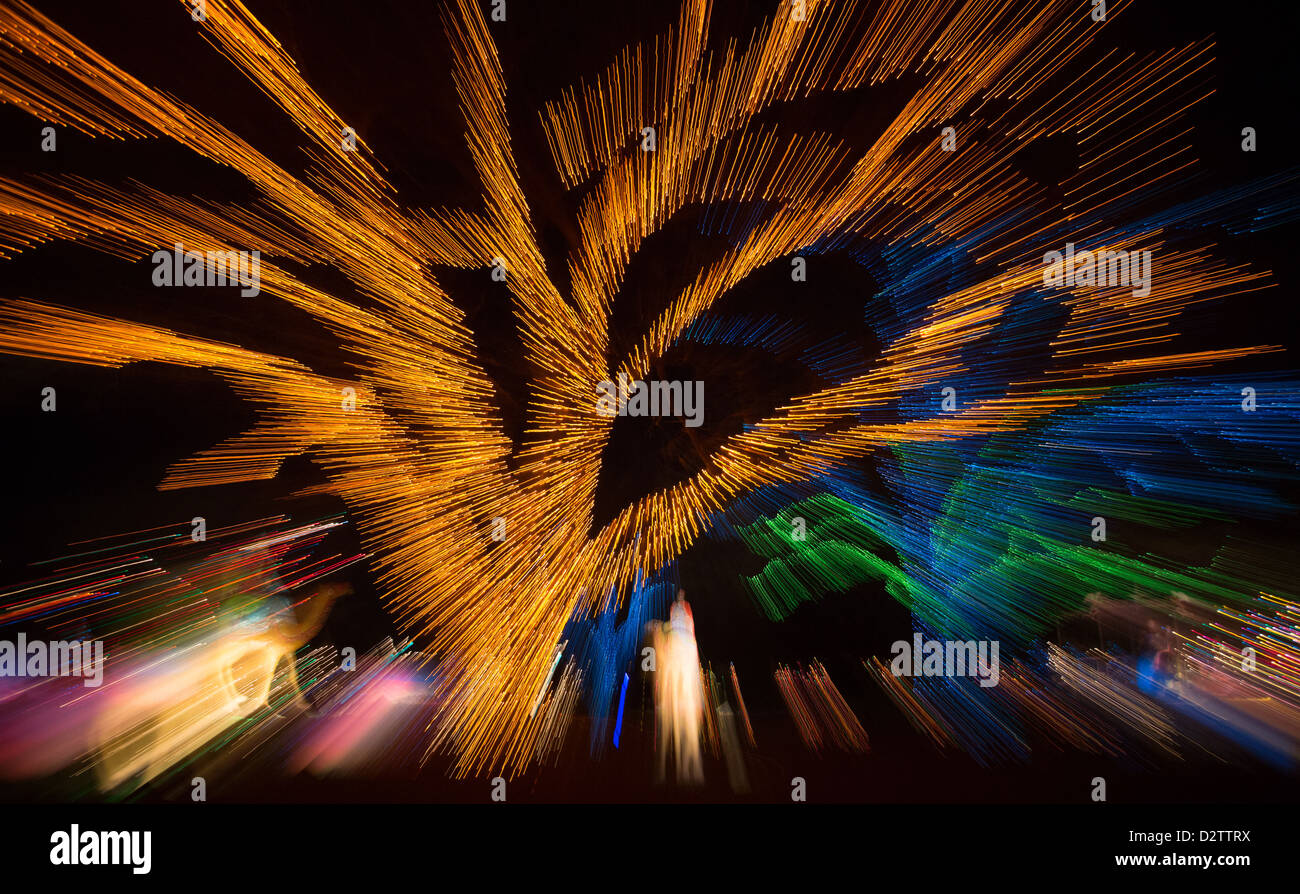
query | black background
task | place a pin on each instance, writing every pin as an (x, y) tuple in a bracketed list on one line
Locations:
[(91, 469)]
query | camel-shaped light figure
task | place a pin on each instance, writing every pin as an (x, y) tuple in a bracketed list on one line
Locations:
[(167, 707)]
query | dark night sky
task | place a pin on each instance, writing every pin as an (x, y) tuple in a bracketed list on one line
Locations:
[(90, 469)]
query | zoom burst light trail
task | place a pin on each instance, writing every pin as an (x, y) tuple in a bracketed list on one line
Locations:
[(193, 634), (422, 459)]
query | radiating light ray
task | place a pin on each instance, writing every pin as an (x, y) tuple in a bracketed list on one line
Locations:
[(422, 460)]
